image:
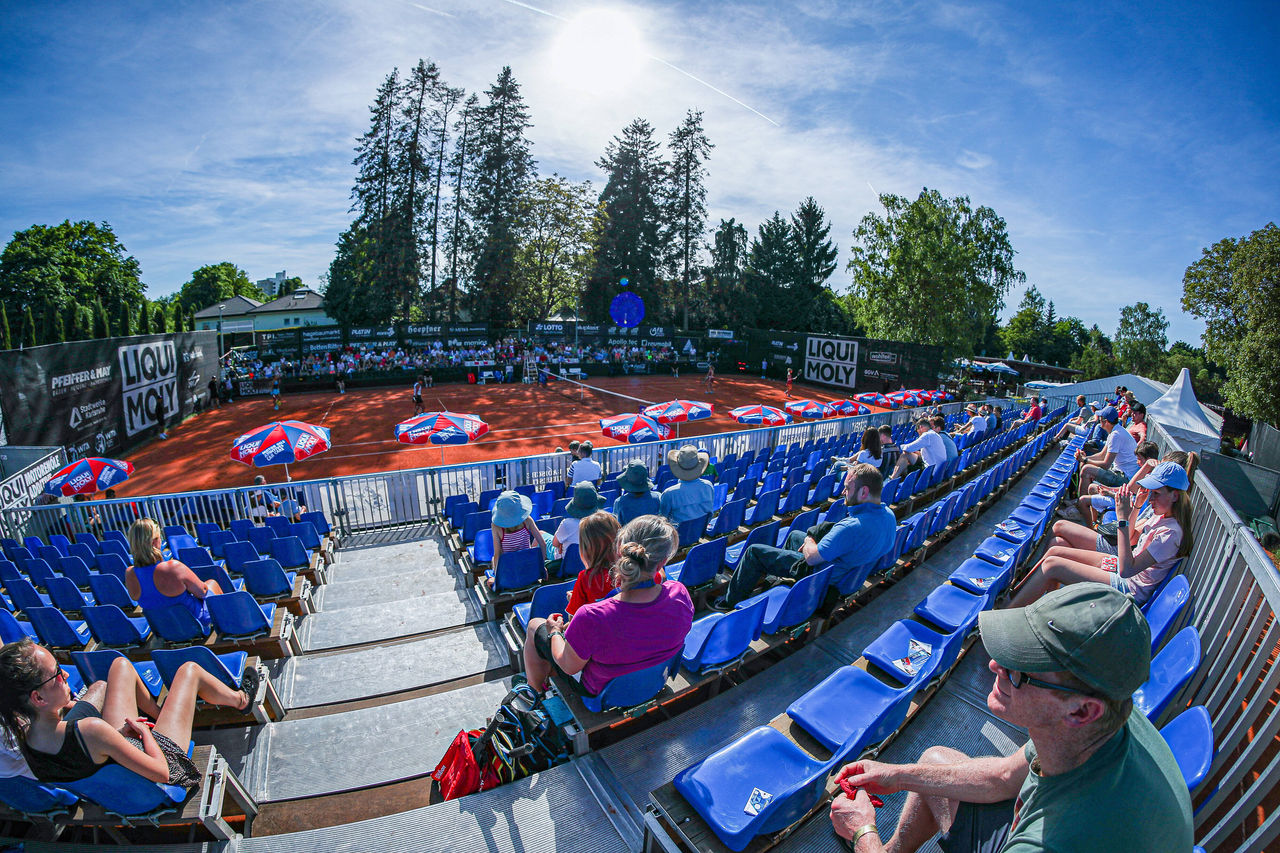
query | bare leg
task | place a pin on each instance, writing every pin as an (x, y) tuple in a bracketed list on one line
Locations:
[(1061, 566), (1072, 535), (904, 461), (190, 682), (924, 817), (536, 670), (125, 695)]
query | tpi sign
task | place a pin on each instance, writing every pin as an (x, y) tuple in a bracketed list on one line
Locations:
[(149, 384), (832, 361)]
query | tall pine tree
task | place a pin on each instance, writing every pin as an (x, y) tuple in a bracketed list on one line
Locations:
[(444, 100), (160, 322), (770, 271), (503, 170), (729, 299), (685, 205), (413, 178), (815, 255), (28, 327), (6, 341), (101, 325), (124, 321), (458, 236), (144, 318), (630, 246)]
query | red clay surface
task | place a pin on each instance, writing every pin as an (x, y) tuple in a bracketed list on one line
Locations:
[(523, 420)]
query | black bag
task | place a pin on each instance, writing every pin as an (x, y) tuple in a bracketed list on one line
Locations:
[(528, 734)]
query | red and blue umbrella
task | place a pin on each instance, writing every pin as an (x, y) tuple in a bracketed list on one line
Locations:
[(872, 398), (904, 398), (677, 411), (89, 475), (441, 428), (849, 407), (634, 429), (280, 443), (766, 415), (809, 409)]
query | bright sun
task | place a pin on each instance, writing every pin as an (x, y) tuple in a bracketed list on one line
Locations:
[(599, 52)]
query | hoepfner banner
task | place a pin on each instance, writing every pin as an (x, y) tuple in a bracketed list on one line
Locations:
[(833, 361)]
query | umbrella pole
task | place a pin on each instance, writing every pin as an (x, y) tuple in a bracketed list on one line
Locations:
[(442, 454), (286, 473)]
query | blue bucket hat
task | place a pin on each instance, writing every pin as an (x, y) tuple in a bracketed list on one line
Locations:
[(586, 500), (510, 509), (1169, 474), (636, 478)]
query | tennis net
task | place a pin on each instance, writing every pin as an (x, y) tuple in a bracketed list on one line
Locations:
[(600, 400)]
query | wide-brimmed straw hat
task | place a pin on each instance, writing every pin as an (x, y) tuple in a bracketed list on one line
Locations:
[(636, 478), (586, 500), (687, 463), (510, 509)]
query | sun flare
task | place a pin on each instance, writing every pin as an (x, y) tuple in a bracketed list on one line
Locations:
[(599, 52)]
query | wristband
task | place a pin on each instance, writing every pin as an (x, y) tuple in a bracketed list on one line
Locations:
[(864, 830)]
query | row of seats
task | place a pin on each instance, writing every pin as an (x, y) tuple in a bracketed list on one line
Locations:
[(857, 707)]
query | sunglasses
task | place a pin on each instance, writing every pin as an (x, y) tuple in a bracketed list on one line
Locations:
[(57, 673), (1017, 679)]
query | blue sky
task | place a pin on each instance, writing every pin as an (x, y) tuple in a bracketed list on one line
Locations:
[(1116, 139)]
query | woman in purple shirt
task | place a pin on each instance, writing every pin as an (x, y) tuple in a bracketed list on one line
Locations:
[(643, 625)]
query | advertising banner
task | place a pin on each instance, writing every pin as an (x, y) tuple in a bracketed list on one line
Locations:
[(373, 337), (273, 346), (321, 339), (831, 361), (91, 397)]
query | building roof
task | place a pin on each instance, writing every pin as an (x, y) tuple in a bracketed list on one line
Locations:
[(232, 307), (302, 299)]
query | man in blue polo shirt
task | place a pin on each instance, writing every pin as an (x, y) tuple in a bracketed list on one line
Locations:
[(863, 536)]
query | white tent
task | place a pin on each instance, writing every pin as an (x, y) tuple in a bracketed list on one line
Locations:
[(1184, 419)]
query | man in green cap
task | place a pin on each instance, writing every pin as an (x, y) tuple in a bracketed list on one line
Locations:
[(1094, 777)]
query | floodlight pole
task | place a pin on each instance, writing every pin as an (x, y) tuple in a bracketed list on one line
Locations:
[(220, 307)]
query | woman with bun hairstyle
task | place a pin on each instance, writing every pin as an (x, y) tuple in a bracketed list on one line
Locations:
[(643, 625)]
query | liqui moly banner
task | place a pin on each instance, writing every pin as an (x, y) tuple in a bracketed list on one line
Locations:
[(831, 361)]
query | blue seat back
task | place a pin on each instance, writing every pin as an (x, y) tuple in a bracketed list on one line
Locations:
[(289, 553), (634, 688), (278, 524), (908, 485), (307, 533), (120, 549), (772, 481), (61, 542), (111, 627), (205, 531), (35, 798), (729, 518), (74, 569), (11, 630), (121, 791), (746, 490), (264, 578), (550, 598), (237, 554), (54, 629), (85, 552), (571, 564), (794, 501), (803, 600), (24, 594), (218, 541), (519, 569), (1190, 739), (1164, 607), (175, 624), (195, 558), (66, 595), (38, 570), (1171, 669), (241, 527), (824, 489), (729, 638), (49, 554), (317, 520), (702, 562), (226, 667), (550, 523), (691, 531), (765, 508), (474, 522), (261, 539), (178, 541), (765, 534), (238, 614), (482, 548)]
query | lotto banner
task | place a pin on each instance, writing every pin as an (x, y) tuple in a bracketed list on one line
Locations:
[(95, 397)]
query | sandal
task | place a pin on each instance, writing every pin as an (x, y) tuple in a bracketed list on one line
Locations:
[(249, 683)]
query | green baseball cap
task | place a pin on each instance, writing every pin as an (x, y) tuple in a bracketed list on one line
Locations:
[(1096, 633)]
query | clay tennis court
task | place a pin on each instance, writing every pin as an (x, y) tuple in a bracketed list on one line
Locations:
[(523, 420)]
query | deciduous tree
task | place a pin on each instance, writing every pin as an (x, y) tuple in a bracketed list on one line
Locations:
[(933, 270), (68, 264), (212, 283), (561, 224), (1141, 339), (770, 272), (729, 300), (6, 340)]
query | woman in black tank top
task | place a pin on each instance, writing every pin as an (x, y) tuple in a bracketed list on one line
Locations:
[(64, 740)]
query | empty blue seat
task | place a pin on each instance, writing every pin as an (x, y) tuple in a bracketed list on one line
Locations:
[(721, 640), (75, 570), (474, 522), (86, 553), (1164, 607), (289, 553), (1171, 669), (1190, 738), (218, 541), (793, 502), (547, 599), (205, 531), (721, 784), (517, 570), (951, 608), (238, 616), (571, 562), (124, 793), (481, 550), (227, 667), (823, 490), (261, 538), (789, 606), (265, 580), (277, 524), (634, 688), (700, 564), (57, 631), (908, 485), (746, 490), (728, 519), (892, 651), (49, 554), (37, 799), (550, 524), (13, 629), (178, 541), (111, 546), (772, 481), (237, 553), (32, 543), (766, 507), (542, 503), (690, 531), (61, 542), (67, 597), (23, 594), (851, 710), (765, 534), (240, 527), (115, 536), (980, 577), (95, 666), (999, 552), (113, 629)]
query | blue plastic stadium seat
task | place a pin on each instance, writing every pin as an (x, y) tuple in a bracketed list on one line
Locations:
[(517, 570), (238, 616), (13, 629), (61, 542), (766, 507), (1171, 669), (634, 688), (205, 531), (803, 521), (240, 528), (49, 554), (86, 553), (547, 599), (179, 540), (261, 539), (719, 786), (237, 553), (571, 562), (111, 546), (1190, 738), (823, 490), (124, 793), (38, 571), (95, 665), (720, 640), (980, 577), (265, 580), (728, 519), (951, 608), (765, 534), (691, 531), (114, 630), (74, 569), (998, 552), (482, 549), (67, 597), (228, 667), (851, 710), (24, 595), (849, 581), (889, 649), (700, 564), (57, 631), (38, 799), (793, 502), (789, 606), (474, 522), (175, 624), (277, 524), (218, 541), (289, 553), (1164, 607)]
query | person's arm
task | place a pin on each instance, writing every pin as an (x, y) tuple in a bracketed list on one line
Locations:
[(989, 779), (496, 534), (1126, 564), (103, 742), (563, 654), (193, 584), (131, 584), (810, 550)]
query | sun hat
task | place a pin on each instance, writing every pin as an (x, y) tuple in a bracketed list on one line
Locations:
[(1169, 474), (687, 463), (1109, 414), (1093, 631), (510, 509), (586, 500), (1095, 405), (971, 409), (636, 478)]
